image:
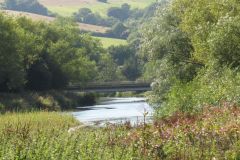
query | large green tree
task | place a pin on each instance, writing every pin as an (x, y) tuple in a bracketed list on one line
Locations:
[(11, 58), (41, 56), (200, 18), (192, 48)]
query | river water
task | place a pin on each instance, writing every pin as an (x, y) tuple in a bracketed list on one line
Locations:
[(115, 110)]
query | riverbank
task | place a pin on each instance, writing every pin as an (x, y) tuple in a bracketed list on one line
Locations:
[(49, 101), (213, 134)]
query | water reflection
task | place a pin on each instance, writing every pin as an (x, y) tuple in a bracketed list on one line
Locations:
[(115, 110)]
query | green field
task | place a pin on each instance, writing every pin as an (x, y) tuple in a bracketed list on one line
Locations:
[(66, 9), (107, 42)]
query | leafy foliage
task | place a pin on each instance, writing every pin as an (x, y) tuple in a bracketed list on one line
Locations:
[(193, 53), (85, 15), (41, 56), (11, 58), (127, 60), (121, 13)]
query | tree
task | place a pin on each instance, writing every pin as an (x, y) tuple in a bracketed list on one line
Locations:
[(107, 69), (193, 53), (204, 15), (85, 15), (39, 76), (131, 69), (127, 60), (118, 31), (119, 13), (81, 15), (41, 56), (120, 53), (168, 51), (126, 7), (72, 61), (12, 75), (224, 42)]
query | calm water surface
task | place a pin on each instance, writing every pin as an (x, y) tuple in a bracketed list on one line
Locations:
[(115, 110)]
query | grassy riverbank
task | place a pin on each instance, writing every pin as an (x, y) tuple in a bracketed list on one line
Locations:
[(49, 101), (213, 134)]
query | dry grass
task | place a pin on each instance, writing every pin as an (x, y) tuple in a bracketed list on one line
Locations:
[(36, 17)]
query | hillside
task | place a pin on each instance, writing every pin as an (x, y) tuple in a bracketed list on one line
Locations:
[(67, 7), (107, 42), (82, 26)]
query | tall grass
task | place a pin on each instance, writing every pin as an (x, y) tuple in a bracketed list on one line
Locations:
[(213, 134)]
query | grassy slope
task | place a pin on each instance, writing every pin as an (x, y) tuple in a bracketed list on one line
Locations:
[(67, 7), (82, 26), (214, 134), (107, 42)]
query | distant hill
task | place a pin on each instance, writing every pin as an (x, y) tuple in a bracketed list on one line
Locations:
[(82, 26), (67, 7)]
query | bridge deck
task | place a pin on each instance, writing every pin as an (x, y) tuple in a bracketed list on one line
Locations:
[(111, 87)]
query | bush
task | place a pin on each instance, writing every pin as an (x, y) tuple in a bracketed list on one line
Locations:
[(47, 103), (210, 87)]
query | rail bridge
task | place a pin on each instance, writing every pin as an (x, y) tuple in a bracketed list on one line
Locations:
[(121, 86)]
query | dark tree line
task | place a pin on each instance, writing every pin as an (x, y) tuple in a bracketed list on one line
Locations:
[(32, 6)]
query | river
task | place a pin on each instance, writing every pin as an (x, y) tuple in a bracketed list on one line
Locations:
[(115, 110)]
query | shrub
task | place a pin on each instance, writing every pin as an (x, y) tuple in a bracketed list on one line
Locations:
[(210, 87), (48, 103)]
